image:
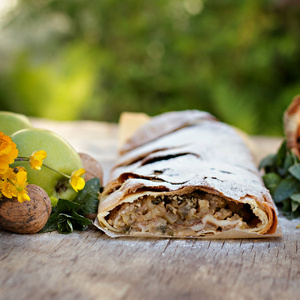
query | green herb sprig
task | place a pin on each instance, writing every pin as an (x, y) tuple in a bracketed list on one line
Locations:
[(282, 178), (70, 215)]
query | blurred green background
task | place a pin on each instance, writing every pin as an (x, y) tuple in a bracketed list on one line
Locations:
[(69, 60)]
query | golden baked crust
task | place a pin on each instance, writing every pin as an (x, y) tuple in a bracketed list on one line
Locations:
[(197, 158)]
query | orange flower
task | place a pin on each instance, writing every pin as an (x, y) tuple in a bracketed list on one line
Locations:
[(4, 163), (5, 144), (36, 159), (76, 181), (8, 152)]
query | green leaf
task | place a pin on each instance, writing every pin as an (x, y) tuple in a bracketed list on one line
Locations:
[(81, 221), (294, 157), (296, 198), (64, 224), (51, 224), (268, 161), (295, 171), (67, 222), (295, 205), (92, 187), (68, 215), (288, 163), (65, 219), (65, 205), (88, 198), (286, 188), (286, 205), (271, 181), (90, 207), (281, 154)]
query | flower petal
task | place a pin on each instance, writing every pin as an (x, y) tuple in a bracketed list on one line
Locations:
[(4, 163), (8, 152), (78, 172), (8, 189), (21, 177), (23, 196), (36, 159), (76, 181)]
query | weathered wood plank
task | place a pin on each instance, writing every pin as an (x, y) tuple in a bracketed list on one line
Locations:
[(90, 265)]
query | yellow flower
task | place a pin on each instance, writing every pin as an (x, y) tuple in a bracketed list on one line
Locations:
[(8, 188), (76, 181), (36, 159), (5, 144), (21, 185), (8, 152), (13, 184), (4, 163), (23, 196)]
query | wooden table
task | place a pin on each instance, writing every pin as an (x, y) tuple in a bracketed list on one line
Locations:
[(90, 265)]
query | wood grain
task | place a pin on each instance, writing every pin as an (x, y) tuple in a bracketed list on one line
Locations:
[(90, 265)]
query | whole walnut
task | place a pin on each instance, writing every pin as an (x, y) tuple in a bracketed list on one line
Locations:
[(92, 167), (29, 216)]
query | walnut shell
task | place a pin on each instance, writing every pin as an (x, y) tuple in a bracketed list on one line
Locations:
[(29, 216), (92, 167)]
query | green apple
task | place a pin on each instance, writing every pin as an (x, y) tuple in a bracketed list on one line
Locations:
[(11, 122), (61, 156)]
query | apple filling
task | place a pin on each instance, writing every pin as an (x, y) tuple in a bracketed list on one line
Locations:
[(193, 214)]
